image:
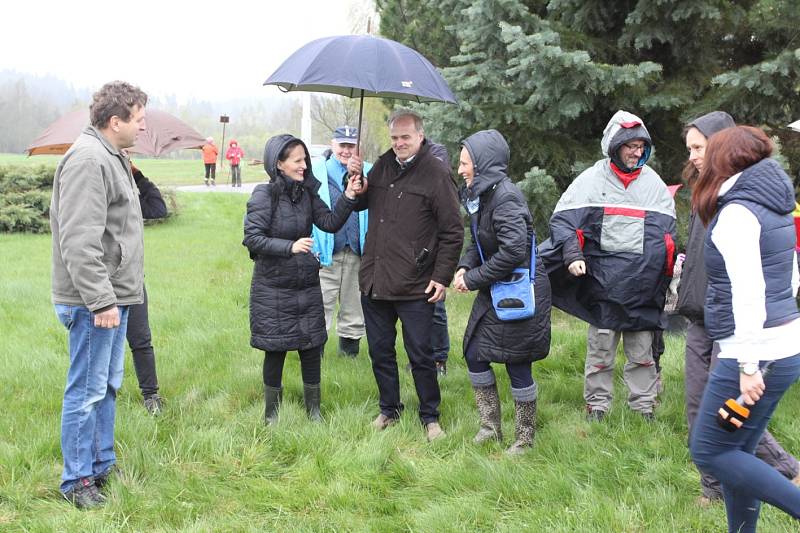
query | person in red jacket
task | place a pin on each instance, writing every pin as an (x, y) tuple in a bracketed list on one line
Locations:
[(235, 156), (210, 154)]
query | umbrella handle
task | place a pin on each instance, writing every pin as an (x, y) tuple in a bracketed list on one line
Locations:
[(360, 113)]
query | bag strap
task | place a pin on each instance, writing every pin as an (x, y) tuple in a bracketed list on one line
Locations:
[(480, 250)]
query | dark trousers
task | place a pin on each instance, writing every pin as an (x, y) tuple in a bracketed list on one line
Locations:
[(440, 338), (309, 366), (416, 317), (211, 169), (236, 175), (658, 348), (701, 358), (519, 373), (141, 342), (746, 480)]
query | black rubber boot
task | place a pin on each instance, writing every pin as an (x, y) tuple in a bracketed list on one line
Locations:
[(272, 401), (311, 397), (349, 347)]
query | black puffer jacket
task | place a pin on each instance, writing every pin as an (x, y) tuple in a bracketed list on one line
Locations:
[(286, 310), (694, 280), (505, 228)]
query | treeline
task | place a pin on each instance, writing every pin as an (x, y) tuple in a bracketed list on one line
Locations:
[(28, 104)]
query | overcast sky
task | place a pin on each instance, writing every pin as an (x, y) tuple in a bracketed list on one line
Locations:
[(200, 49)]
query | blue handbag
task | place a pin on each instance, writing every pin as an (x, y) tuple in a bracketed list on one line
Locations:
[(513, 298)]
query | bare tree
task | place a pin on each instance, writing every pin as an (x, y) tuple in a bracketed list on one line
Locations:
[(332, 111)]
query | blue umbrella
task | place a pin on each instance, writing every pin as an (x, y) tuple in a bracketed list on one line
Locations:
[(362, 66)]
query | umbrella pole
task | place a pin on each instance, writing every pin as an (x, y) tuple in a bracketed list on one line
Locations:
[(360, 112)]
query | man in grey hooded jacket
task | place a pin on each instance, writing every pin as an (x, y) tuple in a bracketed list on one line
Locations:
[(98, 257)]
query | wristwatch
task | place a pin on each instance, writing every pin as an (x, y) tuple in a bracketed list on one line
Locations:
[(748, 369)]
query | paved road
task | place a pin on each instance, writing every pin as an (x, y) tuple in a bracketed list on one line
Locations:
[(246, 188)]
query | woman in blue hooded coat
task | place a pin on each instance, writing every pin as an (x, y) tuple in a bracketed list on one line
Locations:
[(498, 210), (286, 311)]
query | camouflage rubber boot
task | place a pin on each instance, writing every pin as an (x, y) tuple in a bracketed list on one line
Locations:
[(272, 401), (488, 402), (525, 427)]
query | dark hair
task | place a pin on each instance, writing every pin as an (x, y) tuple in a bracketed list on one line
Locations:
[(278, 185), (728, 152), (689, 174), (116, 98), (284, 155)]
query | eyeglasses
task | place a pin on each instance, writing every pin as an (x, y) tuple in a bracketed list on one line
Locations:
[(634, 147)]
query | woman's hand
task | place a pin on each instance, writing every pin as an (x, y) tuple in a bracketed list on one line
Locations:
[(752, 387), (356, 186), (458, 281), (302, 246)]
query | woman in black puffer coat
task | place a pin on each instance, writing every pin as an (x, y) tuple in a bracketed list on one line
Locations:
[(286, 311), (505, 230)]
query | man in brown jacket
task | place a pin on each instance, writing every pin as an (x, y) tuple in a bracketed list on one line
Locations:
[(411, 251)]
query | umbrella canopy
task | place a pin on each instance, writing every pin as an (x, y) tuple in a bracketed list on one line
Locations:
[(362, 66), (795, 125), (165, 133)]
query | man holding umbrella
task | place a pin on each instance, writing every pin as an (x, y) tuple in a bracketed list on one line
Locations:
[(411, 251)]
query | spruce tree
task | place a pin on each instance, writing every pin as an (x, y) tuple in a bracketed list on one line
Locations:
[(549, 74)]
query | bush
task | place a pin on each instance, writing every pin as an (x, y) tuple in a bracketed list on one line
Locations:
[(542, 193), (25, 198), (25, 193)]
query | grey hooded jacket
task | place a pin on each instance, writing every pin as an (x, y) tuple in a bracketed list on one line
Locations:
[(96, 221)]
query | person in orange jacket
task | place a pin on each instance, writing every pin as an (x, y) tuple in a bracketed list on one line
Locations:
[(210, 154), (235, 155)]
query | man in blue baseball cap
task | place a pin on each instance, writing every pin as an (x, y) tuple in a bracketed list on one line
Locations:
[(340, 253)]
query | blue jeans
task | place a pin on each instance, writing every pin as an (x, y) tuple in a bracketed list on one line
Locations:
[(96, 357), (746, 480), (440, 338)]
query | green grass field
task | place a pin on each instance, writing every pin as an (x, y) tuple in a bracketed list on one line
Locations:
[(209, 464), (164, 172)]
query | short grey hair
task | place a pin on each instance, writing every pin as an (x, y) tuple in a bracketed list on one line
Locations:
[(402, 113)]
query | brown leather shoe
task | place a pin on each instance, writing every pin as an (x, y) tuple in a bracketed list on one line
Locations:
[(383, 422), (434, 431)]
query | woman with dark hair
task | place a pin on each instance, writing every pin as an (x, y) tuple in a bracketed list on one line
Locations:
[(502, 232), (701, 356), (746, 200), (286, 311)]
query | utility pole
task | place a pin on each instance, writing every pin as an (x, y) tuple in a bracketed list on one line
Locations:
[(224, 119)]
